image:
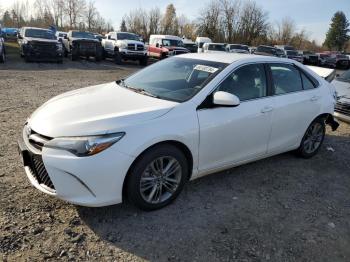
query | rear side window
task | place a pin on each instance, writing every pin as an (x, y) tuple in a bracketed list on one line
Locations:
[(286, 79), (307, 83)]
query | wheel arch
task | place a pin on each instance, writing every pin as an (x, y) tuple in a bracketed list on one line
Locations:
[(181, 146)]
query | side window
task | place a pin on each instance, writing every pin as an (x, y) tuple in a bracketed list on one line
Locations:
[(286, 79), (247, 82), (307, 84)]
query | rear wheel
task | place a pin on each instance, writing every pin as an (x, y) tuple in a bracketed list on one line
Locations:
[(2, 57), (75, 53), (157, 177), (312, 139)]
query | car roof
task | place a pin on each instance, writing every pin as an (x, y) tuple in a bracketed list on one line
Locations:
[(171, 37), (230, 58), (28, 27)]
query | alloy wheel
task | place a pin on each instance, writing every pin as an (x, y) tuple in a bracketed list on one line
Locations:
[(313, 138), (160, 179)]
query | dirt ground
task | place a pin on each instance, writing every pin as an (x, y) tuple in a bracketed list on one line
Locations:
[(279, 209)]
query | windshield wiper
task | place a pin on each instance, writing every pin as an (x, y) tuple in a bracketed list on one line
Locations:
[(136, 90)]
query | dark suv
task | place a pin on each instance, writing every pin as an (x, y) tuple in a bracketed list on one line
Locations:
[(310, 58), (38, 44), (79, 43)]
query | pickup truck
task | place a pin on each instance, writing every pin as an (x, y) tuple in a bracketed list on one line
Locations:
[(79, 43), (38, 44), (162, 46), (124, 46)]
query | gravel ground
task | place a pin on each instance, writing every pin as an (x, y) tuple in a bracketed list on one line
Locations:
[(279, 209)]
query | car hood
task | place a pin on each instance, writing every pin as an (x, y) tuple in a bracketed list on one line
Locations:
[(34, 39), (343, 90), (75, 39), (96, 110), (130, 42)]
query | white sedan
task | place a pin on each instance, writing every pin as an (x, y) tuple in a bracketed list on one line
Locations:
[(145, 136)]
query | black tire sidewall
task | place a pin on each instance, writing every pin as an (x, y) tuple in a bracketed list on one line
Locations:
[(134, 176), (301, 150)]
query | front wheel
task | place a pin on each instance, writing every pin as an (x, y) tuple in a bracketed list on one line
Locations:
[(312, 139), (2, 57), (157, 177)]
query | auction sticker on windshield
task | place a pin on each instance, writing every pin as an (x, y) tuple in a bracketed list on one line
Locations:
[(208, 69)]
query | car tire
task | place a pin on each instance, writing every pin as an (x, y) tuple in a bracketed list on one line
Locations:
[(27, 58), (150, 186), (75, 54), (143, 61), (117, 58), (2, 57), (313, 139)]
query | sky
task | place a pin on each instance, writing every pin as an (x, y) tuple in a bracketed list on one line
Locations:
[(312, 15)]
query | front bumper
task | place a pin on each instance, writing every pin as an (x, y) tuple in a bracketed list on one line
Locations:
[(128, 54), (88, 181)]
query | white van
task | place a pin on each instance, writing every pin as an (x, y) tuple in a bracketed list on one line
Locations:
[(200, 41)]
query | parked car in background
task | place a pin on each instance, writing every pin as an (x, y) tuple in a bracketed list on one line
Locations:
[(190, 45), (200, 41), (341, 61), (326, 60), (79, 43), (99, 37), (10, 34), (214, 48), (163, 46), (2, 48), (342, 86), (266, 50), (285, 47), (326, 73), (151, 133), (236, 48), (61, 35), (310, 58), (252, 49), (124, 46), (293, 54), (280, 53), (38, 44)]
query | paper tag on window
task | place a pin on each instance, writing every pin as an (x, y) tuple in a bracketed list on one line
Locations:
[(205, 68)]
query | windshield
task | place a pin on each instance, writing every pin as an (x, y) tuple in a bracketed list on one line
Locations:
[(176, 78), (127, 36), (279, 52), (294, 53), (241, 47), (344, 77), (171, 42), (214, 47), (40, 33), (83, 35)]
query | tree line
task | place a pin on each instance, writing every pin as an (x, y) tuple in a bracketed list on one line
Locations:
[(230, 21), (64, 14)]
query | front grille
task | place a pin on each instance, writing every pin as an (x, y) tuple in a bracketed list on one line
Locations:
[(44, 48), (39, 171), (140, 48), (343, 108), (86, 46), (131, 46)]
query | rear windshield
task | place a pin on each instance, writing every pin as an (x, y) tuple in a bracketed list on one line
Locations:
[(83, 35), (172, 42), (295, 53), (266, 49), (214, 47), (39, 33), (241, 47)]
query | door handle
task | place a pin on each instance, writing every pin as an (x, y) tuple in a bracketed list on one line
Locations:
[(266, 109), (314, 98)]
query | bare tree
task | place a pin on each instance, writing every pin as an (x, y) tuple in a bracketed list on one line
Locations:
[(154, 18), (230, 18), (91, 13), (57, 7), (74, 10), (285, 30), (209, 21)]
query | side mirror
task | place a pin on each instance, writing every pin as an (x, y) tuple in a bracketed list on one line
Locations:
[(222, 98), (19, 36), (157, 44), (65, 37)]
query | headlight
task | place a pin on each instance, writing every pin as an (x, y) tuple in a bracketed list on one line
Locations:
[(123, 45), (85, 146), (59, 46)]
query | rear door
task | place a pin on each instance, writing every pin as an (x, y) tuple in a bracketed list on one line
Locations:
[(297, 102)]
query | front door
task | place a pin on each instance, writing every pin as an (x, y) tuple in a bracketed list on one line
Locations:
[(230, 135)]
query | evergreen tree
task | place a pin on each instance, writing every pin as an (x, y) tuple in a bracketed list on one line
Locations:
[(337, 35), (123, 26)]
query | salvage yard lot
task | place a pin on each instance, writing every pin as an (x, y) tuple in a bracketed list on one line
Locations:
[(280, 209)]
